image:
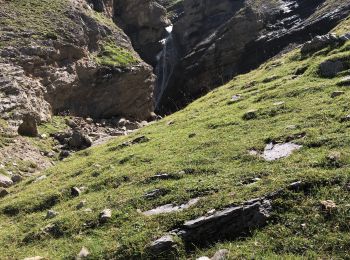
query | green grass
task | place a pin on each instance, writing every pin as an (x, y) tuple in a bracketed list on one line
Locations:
[(113, 55), (216, 162)]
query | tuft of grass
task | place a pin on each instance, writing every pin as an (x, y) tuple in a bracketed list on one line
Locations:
[(115, 56)]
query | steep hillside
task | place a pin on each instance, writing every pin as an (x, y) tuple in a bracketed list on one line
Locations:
[(220, 152)]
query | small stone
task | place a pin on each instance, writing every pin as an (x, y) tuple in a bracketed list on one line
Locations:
[(222, 254), (303, 226), (84, 253), (191, 135), (251, 114), (5, 181), (89, 120), (337, 93), (34, 258), (88, 210), (105, 215), (43, 177), (280, 103), (51, 214), (171, 122), (3, 192), (235, 98), (81, 204), (75, 191), (345, 118), (328, 205), (16, 178), (203, 258)]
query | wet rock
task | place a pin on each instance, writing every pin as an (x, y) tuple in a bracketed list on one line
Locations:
[(3, 192), (337, 93), (16, 178), (274, 152), (319, 43), (84, 253), (231, 222), (105, 215), (51, 214), (168, 208), (222, 254), (165, 246), (330, 69), (251, 114), (5, 181), (75, 191), (28, 127)]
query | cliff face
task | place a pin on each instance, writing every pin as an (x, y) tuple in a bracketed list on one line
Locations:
[(219, 39), (63, 57)]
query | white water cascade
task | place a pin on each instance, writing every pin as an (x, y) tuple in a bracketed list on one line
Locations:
[(165, 66)]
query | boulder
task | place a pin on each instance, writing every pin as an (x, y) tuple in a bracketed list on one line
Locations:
[(164, 246), (319, 43), (330, 69), (79, 141), (5, 181), (28, 127), (231, 222)]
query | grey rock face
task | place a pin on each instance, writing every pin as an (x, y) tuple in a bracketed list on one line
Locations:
[(219, 39)]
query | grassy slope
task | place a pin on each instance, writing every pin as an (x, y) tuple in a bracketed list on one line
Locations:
[(218, 156)]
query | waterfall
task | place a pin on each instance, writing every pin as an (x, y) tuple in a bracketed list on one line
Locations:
[(165, 64)]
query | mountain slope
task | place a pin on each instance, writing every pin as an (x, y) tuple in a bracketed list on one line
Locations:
[(210, 150)]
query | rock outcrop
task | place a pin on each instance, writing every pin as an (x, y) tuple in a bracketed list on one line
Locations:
[(220, 39), (81, 65)]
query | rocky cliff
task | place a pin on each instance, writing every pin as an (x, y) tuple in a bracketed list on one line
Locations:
[(62, 57), (220, 39)]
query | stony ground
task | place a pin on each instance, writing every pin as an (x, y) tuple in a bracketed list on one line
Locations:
[(199, 161)]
